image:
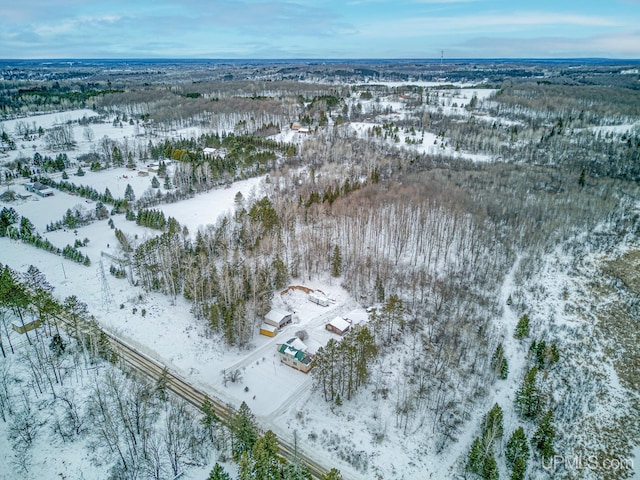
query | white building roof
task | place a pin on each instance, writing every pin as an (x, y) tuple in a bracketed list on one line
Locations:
[(276, 315), (296, 343), (340, 324)]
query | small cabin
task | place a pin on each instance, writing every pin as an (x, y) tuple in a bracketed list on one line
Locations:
[(278, 318), (339, 326), (27, 326)]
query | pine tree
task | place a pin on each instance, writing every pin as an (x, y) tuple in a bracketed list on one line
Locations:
[(297, 472), (379, 289), (336, 262), (209, 419), (522, 329), (218, 473), (544, 436), (492, 423), (155, 183), (281, 276), (497, 357), (245, 467), (490, 468), (332, 474), (528, 396), (129, 195), (516, 447), (504, 369), (265, 457), (475, 459), (244, 431), (519, 469)]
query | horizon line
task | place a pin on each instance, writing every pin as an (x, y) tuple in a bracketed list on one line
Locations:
[(315, 59)]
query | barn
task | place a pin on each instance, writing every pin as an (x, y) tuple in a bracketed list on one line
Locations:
[(278, 318), (338, 325)]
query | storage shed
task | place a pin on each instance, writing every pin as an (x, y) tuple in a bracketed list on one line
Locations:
[(339, 326), (268, 330), (278, 318)]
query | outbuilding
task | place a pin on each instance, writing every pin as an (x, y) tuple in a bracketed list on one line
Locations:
[(339, 326), (278, 318), (268, 330)]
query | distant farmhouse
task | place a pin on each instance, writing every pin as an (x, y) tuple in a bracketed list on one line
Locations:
[(39, 189), (294, 354)]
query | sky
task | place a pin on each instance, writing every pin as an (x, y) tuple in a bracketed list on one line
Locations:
[(270, 29)]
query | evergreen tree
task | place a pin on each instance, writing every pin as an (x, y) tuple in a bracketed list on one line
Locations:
[(475, 458), (155, 183), (528, 396), (281, 276), (516, 447), (504, 369), (116, 156), (492, 423), (265, 457), (297, 472), (336, 262), (244, 431), (129, 195), (490, 468), (332, 474), (209, 420), (57, 346), (544, 436), (27, 230), (497, 357), (245, 467), (519, 469), (522, 329), (582, 179), (379, 289), (218, 473)]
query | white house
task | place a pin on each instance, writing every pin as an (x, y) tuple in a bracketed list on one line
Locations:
[(294, 354)]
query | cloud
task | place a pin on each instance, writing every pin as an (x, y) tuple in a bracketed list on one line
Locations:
[(615, 45), (426, 26)]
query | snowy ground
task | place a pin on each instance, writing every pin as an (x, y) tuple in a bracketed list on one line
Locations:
[(280, 396)]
